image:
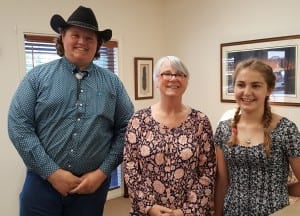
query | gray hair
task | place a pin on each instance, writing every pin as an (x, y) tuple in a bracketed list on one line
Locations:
[(175, 62)]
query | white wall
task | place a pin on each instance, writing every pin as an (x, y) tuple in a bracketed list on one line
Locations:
[(190, 29), (195, 29)]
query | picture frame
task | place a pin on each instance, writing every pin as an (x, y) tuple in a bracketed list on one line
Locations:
[(281, 53), (143, 78)]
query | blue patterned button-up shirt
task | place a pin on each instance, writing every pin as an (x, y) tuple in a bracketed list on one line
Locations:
[(56, 121)]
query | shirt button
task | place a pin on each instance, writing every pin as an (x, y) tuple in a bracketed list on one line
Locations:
[(72, 150), (78, 119), (69, 165)]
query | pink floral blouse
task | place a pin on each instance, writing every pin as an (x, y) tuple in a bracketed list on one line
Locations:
[(173, 167)]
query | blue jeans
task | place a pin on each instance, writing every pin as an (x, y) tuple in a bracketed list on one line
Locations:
[(39, 198)]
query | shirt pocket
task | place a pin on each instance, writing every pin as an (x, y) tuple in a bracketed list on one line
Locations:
[(102, 105)]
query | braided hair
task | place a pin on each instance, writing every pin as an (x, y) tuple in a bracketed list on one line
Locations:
[(267, 72)]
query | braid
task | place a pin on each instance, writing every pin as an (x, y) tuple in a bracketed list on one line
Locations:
[(267, 119), (233, 138), (266, 72)]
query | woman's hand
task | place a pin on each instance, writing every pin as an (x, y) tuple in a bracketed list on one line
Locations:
[(158, 210)]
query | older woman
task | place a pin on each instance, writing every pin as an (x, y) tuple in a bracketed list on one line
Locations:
[(169, 156)]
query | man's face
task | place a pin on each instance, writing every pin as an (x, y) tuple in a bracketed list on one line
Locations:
[(80, 46)]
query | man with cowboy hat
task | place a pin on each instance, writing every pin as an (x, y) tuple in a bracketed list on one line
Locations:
[(67, 121)]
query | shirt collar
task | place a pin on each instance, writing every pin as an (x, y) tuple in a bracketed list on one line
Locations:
[(72, 67)]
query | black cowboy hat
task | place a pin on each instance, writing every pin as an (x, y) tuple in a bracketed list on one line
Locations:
[(81, 17)]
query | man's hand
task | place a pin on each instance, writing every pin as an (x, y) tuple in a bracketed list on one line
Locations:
[(63, 181), (90, 182)]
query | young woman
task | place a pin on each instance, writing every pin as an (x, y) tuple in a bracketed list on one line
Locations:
[(169, 156), (255, 148)]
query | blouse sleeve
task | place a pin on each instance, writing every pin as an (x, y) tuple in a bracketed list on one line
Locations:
[(222, 134), (291, 139), (138, 187), (200, 199)]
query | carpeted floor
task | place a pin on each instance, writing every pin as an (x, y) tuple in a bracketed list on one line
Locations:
[(117, 207)]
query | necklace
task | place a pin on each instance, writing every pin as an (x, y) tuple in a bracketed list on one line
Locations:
[(248, 141)]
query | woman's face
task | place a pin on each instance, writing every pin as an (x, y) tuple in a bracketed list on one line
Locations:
[(80, 46), (250, 90), (171, 82)]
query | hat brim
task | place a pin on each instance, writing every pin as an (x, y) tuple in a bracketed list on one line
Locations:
[(104, 35), (58, 23)]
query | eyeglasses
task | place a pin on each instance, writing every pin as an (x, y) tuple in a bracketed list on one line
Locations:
[(169, 76)]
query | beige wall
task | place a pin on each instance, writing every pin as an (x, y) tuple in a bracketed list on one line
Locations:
[(190, 29), (196, 28)]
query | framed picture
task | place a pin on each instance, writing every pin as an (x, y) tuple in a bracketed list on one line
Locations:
[(281, 53), (143, 78)]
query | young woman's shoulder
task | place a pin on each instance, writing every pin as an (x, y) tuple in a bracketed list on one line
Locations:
[(281, 121), (275, 121)]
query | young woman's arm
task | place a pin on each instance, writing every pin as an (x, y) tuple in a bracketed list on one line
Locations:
[(294, 188), (221, 182)]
